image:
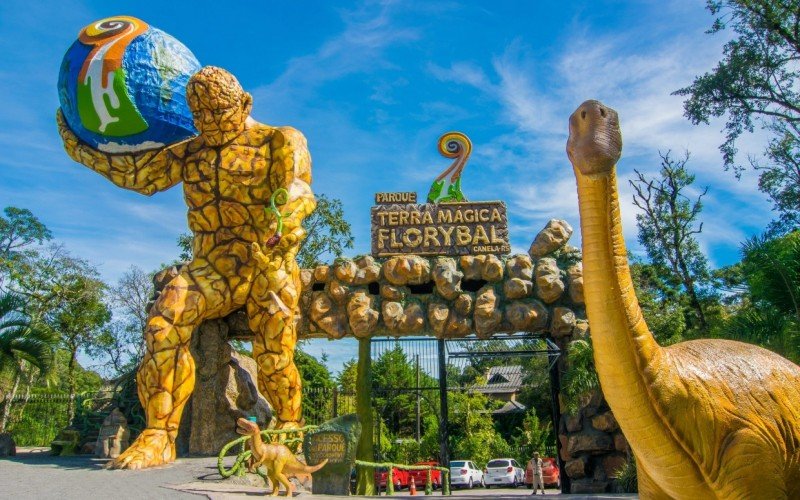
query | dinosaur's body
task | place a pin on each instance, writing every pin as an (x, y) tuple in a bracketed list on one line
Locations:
[(277, 458), (706, 418)]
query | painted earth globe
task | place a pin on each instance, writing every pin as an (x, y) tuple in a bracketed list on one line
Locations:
[(122, 86)]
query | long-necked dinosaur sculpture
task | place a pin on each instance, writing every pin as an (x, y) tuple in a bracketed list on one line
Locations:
[(705, 418)]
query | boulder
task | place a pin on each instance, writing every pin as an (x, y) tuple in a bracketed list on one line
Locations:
[(605, 422), (563, 322), (361, 271), (225, 390), (407, 270), (438, 312), (589, 442), (401, 319), (576, 468), (492, 269), (549, 285), (327, 316), (517, 288), (573, 423), (114, 435), (620, 443), (322, 274), (527, 315), (472, 266), (519, 266), (447, 277), (7, 446), (361, 313), (488, 313), (612, 464), (575, 282), (556, 234)]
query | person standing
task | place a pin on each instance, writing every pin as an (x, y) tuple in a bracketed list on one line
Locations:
[(538, 479)]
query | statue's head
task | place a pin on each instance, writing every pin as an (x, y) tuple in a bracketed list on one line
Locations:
[(218, 103), (595, 141)]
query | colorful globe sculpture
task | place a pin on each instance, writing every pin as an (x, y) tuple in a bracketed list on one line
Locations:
[(122, 86)]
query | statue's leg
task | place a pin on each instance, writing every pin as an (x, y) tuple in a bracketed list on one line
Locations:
[(165, 379), (273, 309)]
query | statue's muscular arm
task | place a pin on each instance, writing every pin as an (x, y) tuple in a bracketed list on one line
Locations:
[(146, 173), (291, 170)]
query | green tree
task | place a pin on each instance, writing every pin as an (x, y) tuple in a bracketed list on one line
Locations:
[(19, 231), (24, 348), (473, 435), (66, 294), (768, 313), (121, 341), (346, 379), (756, 84), (667, 224), (317, 385), (327, 234)]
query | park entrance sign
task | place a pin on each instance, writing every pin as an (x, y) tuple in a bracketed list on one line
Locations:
[(447, 224), (460, 228)]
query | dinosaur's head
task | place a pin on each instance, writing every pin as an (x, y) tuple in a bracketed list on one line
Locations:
[(246, 427), (595, 141), (219, 105)]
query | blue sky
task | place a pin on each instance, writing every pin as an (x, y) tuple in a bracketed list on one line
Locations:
[(372, 85)]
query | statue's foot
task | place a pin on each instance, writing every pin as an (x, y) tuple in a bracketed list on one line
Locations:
[(152, 447)]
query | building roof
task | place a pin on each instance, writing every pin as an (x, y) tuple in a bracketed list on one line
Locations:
[(502, 380), (510, 407)]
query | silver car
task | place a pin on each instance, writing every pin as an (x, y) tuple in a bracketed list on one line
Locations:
[(504, 472), (464, 473)]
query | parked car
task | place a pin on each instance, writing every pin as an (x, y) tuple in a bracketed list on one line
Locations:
[(463, 473), (550, 473), (503, 472), (421, 476), (399, 476)]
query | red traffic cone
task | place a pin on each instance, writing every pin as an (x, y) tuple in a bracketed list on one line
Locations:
[(412, 488)]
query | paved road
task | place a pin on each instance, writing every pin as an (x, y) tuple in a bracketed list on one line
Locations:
[(37, 475)]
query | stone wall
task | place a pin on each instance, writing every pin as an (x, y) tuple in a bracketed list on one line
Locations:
[(538, 292), (446, 297)]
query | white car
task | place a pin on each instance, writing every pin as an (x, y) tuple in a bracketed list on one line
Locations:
[(464, 473), (503, 472)]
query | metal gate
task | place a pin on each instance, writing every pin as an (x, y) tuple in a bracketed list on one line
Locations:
[(420, 372)]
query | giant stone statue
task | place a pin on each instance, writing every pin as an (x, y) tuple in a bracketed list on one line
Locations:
[(124, 115)]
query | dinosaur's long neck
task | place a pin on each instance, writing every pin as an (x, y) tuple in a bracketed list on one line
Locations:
[(256, 443), (626, 355)]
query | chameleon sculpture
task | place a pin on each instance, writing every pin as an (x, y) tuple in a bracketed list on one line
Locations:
[(447, 185), (277, 458), (705, 418), (230, 172)]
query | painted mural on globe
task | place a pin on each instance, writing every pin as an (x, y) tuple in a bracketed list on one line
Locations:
[(447, 224), (122, 86)]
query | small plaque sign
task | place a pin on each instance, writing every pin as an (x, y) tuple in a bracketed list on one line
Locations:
[(463, 228), (390, 198), (327, 445)]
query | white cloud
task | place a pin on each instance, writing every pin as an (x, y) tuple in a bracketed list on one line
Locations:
[(635, 79)]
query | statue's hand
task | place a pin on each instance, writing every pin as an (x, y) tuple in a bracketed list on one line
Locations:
[(67, 135)]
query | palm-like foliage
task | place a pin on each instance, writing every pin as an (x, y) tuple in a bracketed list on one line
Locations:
[(20, 340)]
